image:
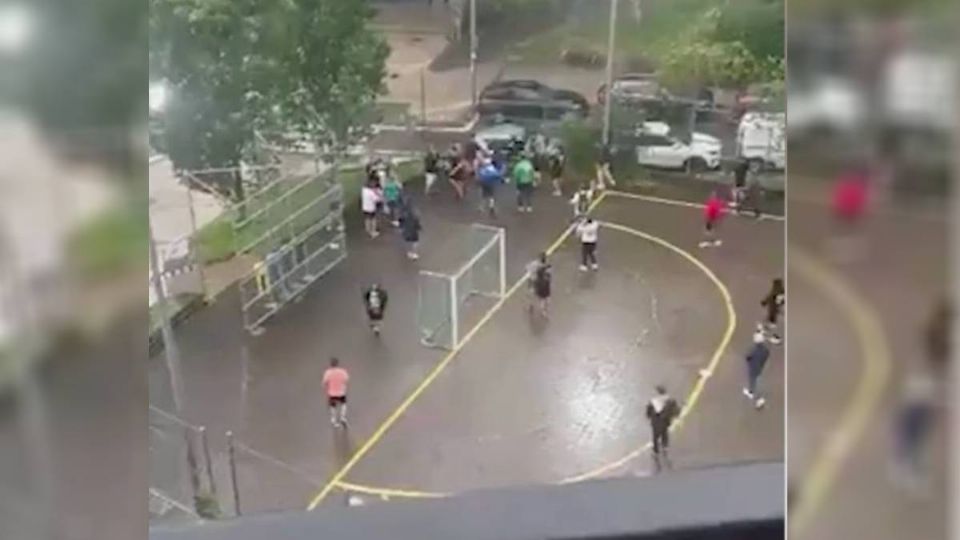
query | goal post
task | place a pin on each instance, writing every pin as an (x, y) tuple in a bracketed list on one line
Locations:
[(443, 298)]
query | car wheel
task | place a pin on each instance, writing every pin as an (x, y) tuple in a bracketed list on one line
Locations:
[(755, 166), (696, 165)]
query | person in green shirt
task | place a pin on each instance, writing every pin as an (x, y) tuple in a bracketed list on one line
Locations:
[(524, 177), (392, 194)]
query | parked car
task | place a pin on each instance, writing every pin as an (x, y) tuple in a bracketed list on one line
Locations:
[(500, 136), (531, 104), (656, 147), (761, 141), (531, 90), (633, 87)]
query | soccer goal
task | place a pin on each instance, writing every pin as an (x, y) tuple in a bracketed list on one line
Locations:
[(448, 302)]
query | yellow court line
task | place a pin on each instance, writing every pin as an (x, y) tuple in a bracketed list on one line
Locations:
[(673, 202), (694, 395), (876, 369), (398, 412), (690, 402)]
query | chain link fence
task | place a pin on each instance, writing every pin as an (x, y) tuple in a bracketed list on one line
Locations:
[(182, 482)]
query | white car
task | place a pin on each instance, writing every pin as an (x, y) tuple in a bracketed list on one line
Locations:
[(830, 104), (656, 147), (760, 140)]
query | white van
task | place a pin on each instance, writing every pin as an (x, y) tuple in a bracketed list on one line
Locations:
[(760, 140)]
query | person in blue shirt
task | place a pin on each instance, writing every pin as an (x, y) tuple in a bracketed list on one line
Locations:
[(490, 176)]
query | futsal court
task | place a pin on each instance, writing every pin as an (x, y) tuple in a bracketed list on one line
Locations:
[(522, 399)]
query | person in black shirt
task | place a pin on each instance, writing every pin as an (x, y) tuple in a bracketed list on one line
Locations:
[(431, 167), (541, 276), (774, 301), (662, 410), (375, 302)]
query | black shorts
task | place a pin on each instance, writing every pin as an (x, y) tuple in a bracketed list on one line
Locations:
[(370, 215), (710, 224), (487, 190), (333, 401), (375, 315), (542, 290)]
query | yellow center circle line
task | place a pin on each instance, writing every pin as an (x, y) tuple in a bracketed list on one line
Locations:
[(692, 398)]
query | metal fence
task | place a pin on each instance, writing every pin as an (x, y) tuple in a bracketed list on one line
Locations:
[(181, 469), (264, 483)]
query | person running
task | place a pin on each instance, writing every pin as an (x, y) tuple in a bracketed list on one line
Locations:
[(739, 185), (410, 227), (489, 176), (604, 171), (523, 177), (774, 301), (913, 424), (431, 168), (555, 162), (712, 213), (662, 410), (581, 201), (540, 275), (392, 195), (460, 175), (375, 302), (588, 230), (756, 358), (370, 199), (335, 380)]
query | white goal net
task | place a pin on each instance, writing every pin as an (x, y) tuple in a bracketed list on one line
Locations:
[(449, 303)]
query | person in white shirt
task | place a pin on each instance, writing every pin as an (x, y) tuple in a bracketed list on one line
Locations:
[(370, 198), (581, 201), (588, 231)]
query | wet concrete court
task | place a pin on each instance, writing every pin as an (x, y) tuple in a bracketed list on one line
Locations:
[(857, 329), (564, 400), (524, 400)]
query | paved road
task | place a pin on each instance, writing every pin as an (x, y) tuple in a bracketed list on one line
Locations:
[(266, 389), (896, 282)]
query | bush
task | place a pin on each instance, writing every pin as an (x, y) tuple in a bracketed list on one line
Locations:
[(580, 142)]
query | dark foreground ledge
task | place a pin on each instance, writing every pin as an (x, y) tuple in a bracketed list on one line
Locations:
[(742, 502)]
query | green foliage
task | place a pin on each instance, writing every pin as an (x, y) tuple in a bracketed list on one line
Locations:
[(207, 506), (112, 242), (81, 78), (726, 64), (241, 67), (758, 24), (580, 144)]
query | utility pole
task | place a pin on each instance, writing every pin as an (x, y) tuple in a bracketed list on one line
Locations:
[(473, 53), (610, 50), (172, 356)]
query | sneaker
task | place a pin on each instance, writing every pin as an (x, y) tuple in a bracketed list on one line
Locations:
[(376, 330), (583, 268), (717, 242), (760, 403), (705, 244), (413, 256), (529, 209), (746, 392), (776, 340), (557, 193), (343, 422), (594, 266)]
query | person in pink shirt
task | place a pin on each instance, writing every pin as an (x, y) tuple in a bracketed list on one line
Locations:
[(335, 380), (712, 213)]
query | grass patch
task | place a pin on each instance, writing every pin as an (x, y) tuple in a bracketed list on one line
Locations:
[(111, 242), (218, 240)]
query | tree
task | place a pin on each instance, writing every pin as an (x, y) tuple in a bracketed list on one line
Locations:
[(336, 69), (239, 68), (80, 77)]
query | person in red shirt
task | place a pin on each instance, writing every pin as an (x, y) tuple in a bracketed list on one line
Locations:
[(335, 380), (712, 214)]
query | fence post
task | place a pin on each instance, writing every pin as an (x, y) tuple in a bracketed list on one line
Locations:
[(423, 97), (231, 451), (205, 442)]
